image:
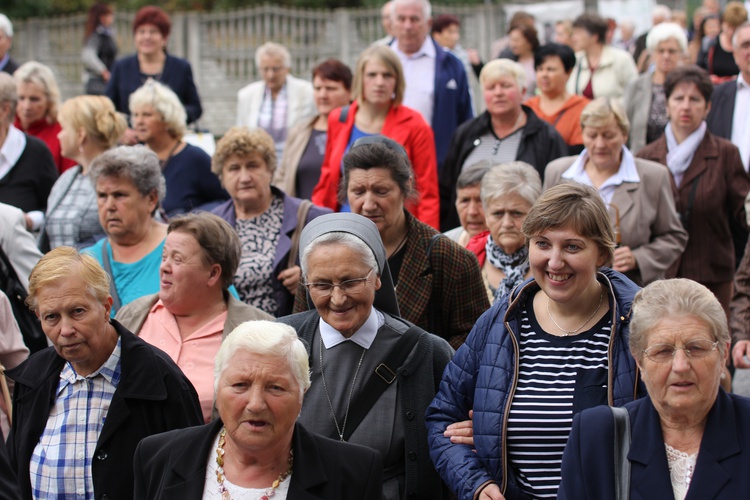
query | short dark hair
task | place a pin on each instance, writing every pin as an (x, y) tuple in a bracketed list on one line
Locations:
[(335, 70), (377, 155), (552, 49), (151, 14), (528, 31), (521, 17), (443, 21), (594, 24), (689, 74)]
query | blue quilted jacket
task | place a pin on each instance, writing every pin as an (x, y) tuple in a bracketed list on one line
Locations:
[(482, 377)]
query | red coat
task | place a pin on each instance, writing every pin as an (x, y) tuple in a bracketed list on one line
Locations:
[(403, 125), (47, 132)]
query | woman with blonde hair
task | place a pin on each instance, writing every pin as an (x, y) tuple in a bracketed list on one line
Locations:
[(36, 110), (378, 92)]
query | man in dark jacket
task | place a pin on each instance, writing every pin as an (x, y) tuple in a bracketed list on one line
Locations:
[(81, 407)]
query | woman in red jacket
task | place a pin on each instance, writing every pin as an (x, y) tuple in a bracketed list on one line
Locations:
[(378, 91)]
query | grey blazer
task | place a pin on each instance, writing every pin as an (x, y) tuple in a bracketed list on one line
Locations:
[(649, 224), (637, 100)]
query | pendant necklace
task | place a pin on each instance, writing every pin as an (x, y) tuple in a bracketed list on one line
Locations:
[(567, 333), (339, 430)]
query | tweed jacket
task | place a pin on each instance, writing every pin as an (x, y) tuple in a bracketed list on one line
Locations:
[(285, 177), (300, 105), (720, 195), (173, 466), (637, 101), (616, 69), (721, 117), (447, 286), (417, 380), (649, 224), (153, 396), (720, 472)]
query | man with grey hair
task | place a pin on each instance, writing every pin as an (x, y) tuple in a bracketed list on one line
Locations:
[(386, 18), (279, 100), (7, 64), (436, 82)]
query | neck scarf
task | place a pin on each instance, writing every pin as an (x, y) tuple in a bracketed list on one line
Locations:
[(680, 156), (514, 266)]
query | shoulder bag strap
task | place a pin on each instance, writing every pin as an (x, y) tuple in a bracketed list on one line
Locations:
[(6, 394), (622, 447), (302, 211), (383, 376), (108, 268), (344, 114), (691, 201)]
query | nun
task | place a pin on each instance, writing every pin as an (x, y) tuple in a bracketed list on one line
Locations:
[(373, 373)]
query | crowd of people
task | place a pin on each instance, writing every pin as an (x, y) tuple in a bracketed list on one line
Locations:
[(365, 288)]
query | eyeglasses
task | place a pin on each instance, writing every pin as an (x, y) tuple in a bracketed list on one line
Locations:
[(348, 287), (695, 349)]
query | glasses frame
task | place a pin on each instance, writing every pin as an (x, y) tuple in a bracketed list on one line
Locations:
[(341, 286), (685, 348)]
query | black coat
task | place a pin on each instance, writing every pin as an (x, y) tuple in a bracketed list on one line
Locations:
[(721, 117), (173, 466), (540, 144), (153, 396)]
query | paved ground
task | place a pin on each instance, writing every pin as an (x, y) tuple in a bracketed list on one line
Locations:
[(742, 382)]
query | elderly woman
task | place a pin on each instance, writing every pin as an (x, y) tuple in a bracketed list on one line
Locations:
[(89, 127), (507, 131), (554, 104), (29, 172), (299, 170), (259, 103), (637, 192), (357, 341), (469, 204), (718, 56), (439, 286), (151, 28), (99, 47), (93, 395), (129, 187), (601, 70), (256, 449), (158, 119), (193, 311), (508, 192), (510, 372), (379, 86), (36, 110), (267, 220), (645, 101), (687, 439), (709, 182)]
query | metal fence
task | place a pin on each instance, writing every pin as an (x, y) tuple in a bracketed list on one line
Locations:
[(221, 45)]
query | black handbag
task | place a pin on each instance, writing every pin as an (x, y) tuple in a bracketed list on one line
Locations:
[(622, 447), (31, 329)]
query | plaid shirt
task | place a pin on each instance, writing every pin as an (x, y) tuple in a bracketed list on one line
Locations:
[(61, 463)]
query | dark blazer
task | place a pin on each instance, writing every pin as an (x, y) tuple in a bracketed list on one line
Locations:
[(8, 480), (721, 471), (11, 66), (153, 396), (28, 183), (177, 75), (720, 117), (720, 196), (173, 466)]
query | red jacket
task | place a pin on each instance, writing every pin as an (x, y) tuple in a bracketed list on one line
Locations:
[(47, 132), (403, 125)]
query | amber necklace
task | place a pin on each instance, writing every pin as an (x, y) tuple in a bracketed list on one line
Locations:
[(225, 495)]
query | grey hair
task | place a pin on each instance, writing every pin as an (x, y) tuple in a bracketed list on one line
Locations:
[(514, 177), (137, 163), (8, 94), (266, 338), (678, 297), (472, 175), (426, 7), (742, 26), (497, 68), (165, 102), (662, 11), (6, 26), (666, 31), (272, 49), (341, 238)]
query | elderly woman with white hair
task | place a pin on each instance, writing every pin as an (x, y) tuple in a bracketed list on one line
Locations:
[(256, 449), (645, 101), (158, 119), (506, 131), (129, 186), (36, 109), (279, 100), (508, 191)]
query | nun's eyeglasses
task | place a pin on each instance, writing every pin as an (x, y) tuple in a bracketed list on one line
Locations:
[(348, 287)]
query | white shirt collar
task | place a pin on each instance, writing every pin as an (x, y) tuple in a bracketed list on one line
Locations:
[(427, 49), (363, 337), (741, 83), (626, 173), (11, 150)]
